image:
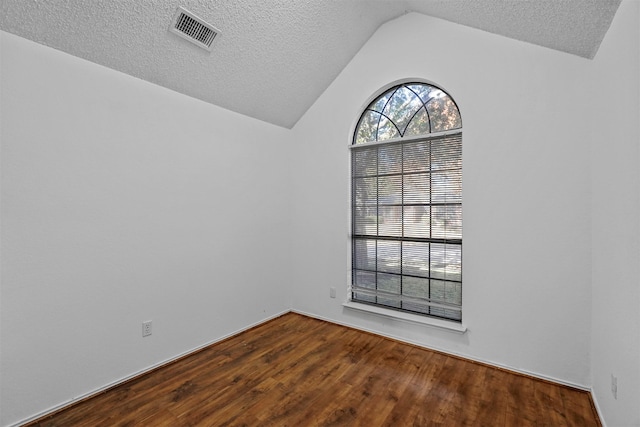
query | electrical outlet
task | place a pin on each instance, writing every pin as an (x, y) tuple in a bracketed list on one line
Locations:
[(332, 292), (146, 328), (614, 386)]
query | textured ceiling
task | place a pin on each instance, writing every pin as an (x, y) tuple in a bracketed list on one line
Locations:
[(275, 57)]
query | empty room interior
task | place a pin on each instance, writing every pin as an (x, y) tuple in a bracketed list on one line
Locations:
[(207, 188)]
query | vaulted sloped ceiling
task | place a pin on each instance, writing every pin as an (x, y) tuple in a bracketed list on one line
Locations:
[(275, 57)]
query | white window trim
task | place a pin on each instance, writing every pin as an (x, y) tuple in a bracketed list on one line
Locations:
[(406, 317), (380, 311)]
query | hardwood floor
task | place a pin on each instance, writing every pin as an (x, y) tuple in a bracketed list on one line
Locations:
[(298, 371)]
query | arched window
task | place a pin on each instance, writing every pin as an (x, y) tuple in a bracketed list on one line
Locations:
[(406, 186)]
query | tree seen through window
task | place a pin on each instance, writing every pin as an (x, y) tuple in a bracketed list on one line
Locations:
[(407, 202)]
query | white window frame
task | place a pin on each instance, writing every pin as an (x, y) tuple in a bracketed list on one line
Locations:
[(379, 310)]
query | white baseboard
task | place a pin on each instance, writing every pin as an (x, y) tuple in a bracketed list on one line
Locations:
[(453, 353), (186, 353), (598, 410), (475, 359), (116, 383)]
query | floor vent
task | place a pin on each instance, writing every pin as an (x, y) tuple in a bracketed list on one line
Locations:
[(188, 26)]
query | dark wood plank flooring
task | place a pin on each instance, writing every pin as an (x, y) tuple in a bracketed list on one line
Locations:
[(298, 371)]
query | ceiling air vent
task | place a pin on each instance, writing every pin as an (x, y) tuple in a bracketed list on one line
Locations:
[(188, 26)]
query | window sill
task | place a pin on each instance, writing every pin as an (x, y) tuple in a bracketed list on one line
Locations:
[(407, 317)]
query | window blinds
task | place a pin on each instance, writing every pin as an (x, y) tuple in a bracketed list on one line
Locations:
[(407, 225)]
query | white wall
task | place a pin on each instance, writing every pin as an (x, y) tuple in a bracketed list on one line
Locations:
[(616, 219), (526, 262), (124, 202), (119, 204)]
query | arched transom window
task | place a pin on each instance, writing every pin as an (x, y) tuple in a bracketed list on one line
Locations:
[(407, 202), (409, 109)]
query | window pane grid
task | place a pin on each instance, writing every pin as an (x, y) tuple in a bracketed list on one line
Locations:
[(407, 226), (440, 298), (405, 110)]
